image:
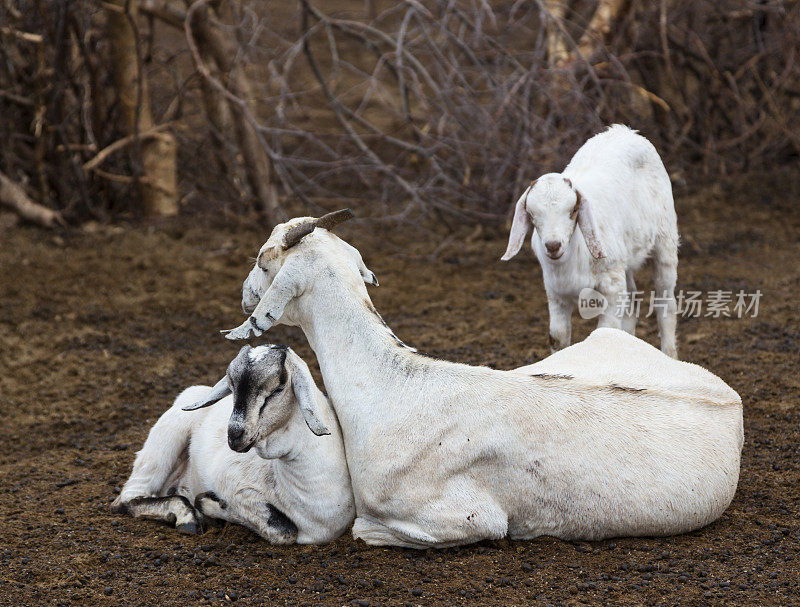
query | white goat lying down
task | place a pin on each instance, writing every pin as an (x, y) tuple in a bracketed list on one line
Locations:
[(440, 453), (617, 191), (292, 487)]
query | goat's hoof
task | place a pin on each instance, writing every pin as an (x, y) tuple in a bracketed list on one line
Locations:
[(241, 332), (187, 528), (118, 507)]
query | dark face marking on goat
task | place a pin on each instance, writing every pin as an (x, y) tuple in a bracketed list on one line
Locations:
[(551, 376), (250, 378), (243, 389), (279, 521), (279, 388)]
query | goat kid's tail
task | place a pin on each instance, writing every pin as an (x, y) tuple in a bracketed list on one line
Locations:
[(165, 451)]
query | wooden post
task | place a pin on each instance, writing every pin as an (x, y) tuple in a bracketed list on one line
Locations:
[(158, 186)]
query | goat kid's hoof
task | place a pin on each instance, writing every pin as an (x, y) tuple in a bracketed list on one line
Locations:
[(118, 507), (187, 528)]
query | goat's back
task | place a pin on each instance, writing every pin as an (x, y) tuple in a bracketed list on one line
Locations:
[(614, 357)]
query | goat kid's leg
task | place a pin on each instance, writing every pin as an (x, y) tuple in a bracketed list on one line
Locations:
[(210, 505), (630, 318), (252, 510), (174, 510), (163, 458), (665, 275), (612, 285), (560, 322)]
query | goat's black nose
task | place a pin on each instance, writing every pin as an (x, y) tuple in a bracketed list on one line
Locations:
[(552, 246), (235, 434)]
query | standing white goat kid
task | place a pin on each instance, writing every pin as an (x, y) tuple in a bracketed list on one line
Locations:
[(617, 191), (441, 453), (293, 486)]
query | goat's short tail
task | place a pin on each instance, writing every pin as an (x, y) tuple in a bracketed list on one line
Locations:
[(165, 451)]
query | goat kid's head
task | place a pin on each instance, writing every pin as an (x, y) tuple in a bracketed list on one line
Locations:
[(553, 207), (269, 384), (299, 245)]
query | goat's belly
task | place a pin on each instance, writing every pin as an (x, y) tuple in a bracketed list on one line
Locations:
[(654, 498)]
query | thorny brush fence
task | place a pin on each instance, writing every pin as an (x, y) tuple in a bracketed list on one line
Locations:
[(441, 108)]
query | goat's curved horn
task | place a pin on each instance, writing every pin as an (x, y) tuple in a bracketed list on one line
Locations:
[(297, 233), (327, 221), (331, 220)]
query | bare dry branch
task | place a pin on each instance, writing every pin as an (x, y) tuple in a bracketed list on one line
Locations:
[(119, 144), (444, 108), (239, 92), (13, 196)]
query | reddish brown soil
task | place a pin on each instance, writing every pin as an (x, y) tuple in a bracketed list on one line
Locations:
[(100, 329)]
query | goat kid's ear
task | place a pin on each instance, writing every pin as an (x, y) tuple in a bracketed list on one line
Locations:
[(588, 226), (305, 393), (218, 392), (519, 227)]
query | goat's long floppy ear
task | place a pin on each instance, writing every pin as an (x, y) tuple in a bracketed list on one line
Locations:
[(588, 226), (519, 227), (270, 308), (218, 392), (306, 394)]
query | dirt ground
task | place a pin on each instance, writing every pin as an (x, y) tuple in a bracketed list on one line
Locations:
[(100, 328)]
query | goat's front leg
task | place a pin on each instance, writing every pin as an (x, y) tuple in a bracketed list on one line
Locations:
[(173, 510), (665, 275), (560, 322), (612, 285), (630, 318)]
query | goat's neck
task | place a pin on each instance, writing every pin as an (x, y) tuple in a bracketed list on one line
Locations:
[(360, 358), (309, 463)]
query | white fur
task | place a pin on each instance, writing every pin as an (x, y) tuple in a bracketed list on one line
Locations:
[(302, 475), (443, 453), (625, 188)]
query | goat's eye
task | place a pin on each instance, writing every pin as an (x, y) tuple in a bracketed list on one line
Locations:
[(270, 395), (574, 212)]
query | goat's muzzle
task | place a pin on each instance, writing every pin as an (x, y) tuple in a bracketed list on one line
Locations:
[(236, 438)]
